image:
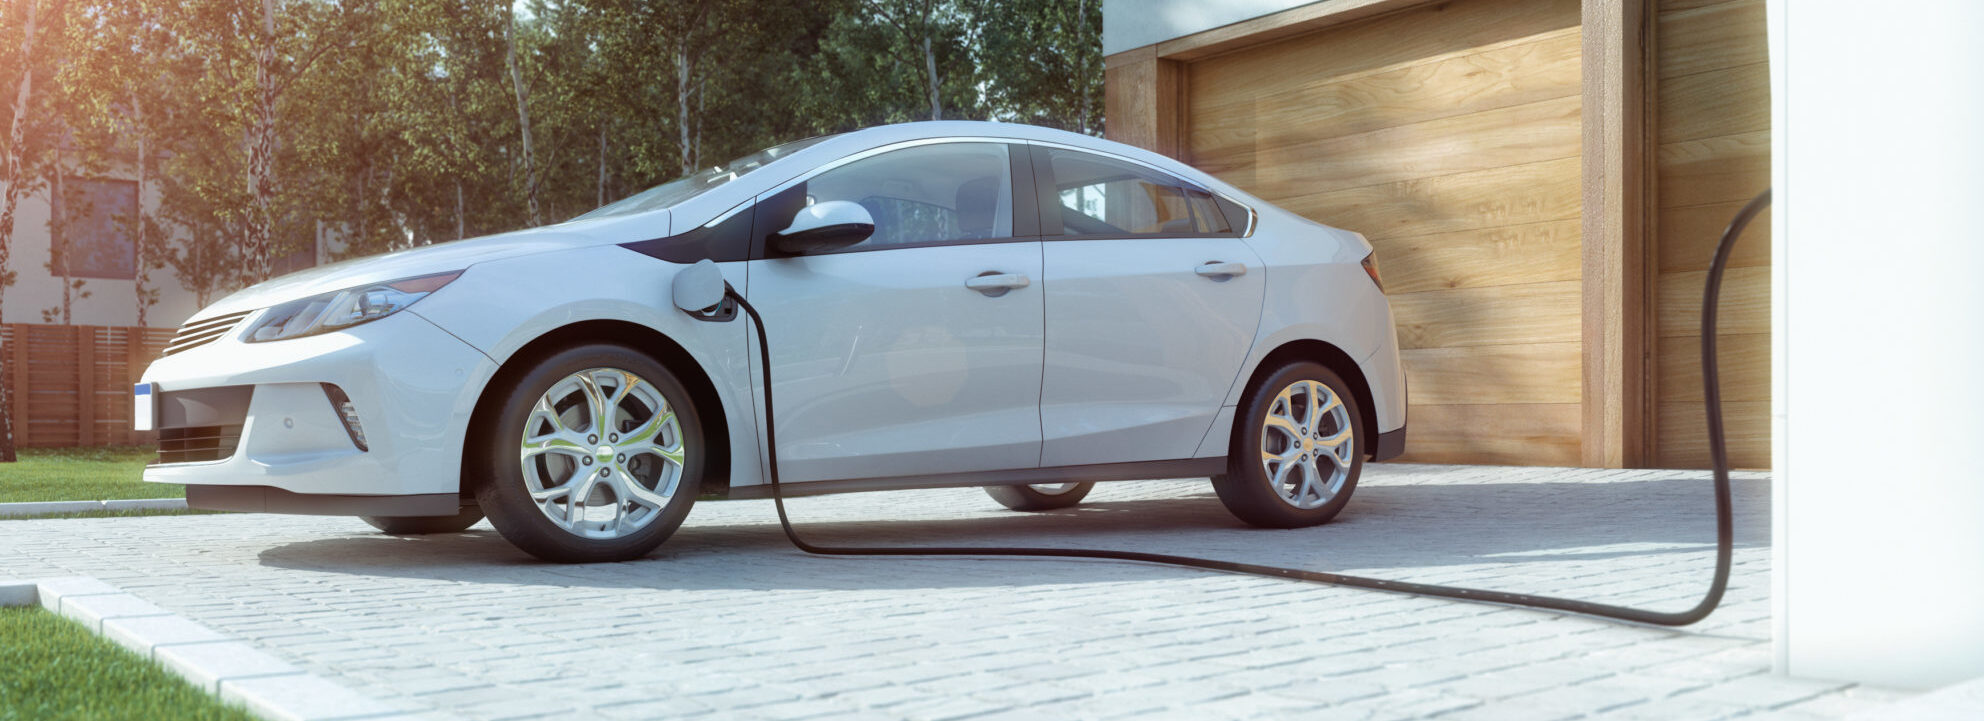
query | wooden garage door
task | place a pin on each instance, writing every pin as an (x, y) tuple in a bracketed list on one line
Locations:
[(1713, 155), (1449, 136)]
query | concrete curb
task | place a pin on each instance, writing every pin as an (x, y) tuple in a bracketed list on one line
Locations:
[(53, 508), (238, 673)]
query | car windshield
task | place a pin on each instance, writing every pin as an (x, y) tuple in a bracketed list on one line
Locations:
[(694, 184)]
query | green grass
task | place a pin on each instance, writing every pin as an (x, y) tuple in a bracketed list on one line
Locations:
[(135, 513), (81, 474), (52, 669)]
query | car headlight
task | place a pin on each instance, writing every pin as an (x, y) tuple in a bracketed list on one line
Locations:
[(338, 310)]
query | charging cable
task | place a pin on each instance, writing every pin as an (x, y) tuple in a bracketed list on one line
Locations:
[(1718, 452)]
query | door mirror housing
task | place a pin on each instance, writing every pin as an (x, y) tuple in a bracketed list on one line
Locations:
[(824, 226)]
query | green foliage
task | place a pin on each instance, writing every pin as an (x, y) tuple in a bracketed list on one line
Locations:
[(397, 123), (53, 669), (1040, 61)]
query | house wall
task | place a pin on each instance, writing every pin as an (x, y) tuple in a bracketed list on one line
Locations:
[(1449, 136), (1712, 154), (111, 302), (1543, 188)]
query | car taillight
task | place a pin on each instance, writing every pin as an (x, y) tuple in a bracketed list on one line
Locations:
[(1371, 266)]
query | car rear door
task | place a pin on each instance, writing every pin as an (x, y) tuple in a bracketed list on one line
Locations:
[(918, 351), (1152, 302)]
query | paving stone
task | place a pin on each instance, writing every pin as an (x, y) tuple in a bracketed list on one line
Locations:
[(143, 634), (728, 621), (91, 610), (302, 698), (206, 665), (51, 591)]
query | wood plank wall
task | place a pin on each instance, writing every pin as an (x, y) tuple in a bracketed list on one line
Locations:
[(72, 384), (1713, 154), (1449, 135)]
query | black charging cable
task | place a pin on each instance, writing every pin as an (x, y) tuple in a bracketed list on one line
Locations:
[(1711, 391)]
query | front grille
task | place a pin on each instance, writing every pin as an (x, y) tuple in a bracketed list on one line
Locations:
[(201, 332), (197, 443)]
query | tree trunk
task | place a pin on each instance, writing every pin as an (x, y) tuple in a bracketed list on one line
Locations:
[(11, 158), (930, 59), (523, 111), (10, 173), (930, 65), (58, 199), (141, 277), (682, 72), (1081, 55), (701, 85), (599, 195), (461, 228), (261, 153)]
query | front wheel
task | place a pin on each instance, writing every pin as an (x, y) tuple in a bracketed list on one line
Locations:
[(1295, 455), (596, 456), (1040, 496)]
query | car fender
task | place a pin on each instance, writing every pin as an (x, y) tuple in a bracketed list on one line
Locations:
[(1318, 291), (502, 306)]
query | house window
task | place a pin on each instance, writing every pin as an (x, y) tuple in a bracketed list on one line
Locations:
[(95, 228)]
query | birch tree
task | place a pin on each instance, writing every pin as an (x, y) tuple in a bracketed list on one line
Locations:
[(29, 144), (528, 151), (916, 22)]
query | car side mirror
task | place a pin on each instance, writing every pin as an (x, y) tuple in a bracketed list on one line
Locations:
[(699, 287), (824, 226)]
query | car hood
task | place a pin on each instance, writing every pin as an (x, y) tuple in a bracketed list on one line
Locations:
[(428, 259)]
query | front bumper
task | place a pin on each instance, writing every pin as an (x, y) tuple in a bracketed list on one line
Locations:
[(414, 387)]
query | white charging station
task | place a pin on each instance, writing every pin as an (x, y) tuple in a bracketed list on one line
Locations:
[(1878, 360)]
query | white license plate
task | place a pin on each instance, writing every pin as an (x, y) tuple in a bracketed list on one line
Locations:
[(142, 408)]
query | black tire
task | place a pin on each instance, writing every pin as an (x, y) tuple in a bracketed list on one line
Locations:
[(506, 497), (1247, 489), (423, 525), (1025, 498)]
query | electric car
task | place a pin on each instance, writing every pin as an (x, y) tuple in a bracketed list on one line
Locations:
[(946, 304)]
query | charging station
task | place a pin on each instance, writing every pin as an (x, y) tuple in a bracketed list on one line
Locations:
[(1878, 554)]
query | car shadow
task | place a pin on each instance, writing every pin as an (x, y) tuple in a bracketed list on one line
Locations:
[(1408, 529)]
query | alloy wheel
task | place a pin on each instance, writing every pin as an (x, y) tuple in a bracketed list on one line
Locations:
[(602, 453), (1308, 444)]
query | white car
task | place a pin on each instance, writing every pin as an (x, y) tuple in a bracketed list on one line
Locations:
[(947, 303)]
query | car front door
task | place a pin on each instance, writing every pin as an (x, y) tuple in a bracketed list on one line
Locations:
[(917, 351), (1152, 304)]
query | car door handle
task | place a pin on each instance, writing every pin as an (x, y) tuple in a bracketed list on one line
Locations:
[(994, 283), (1218, 270)]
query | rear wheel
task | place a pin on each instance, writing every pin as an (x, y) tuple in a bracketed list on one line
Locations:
[(1296, 454), (1040, 496), (596, 456), (422, 525)]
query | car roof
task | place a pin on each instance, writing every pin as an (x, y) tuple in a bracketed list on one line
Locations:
[(719, 202)]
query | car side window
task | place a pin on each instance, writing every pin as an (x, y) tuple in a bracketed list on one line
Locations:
[(1105, 197), (926, 194)]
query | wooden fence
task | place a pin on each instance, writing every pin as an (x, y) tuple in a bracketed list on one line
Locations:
[(72, 384)]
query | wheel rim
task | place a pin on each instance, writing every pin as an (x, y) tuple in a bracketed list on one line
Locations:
[(602, 453), (1308, 444), (1053, 489)]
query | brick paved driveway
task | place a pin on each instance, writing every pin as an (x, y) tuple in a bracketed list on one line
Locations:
[(729, 621)]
